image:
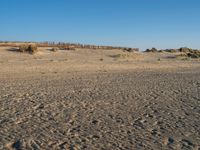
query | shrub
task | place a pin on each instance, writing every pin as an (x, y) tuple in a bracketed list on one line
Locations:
[(161, 51), (55, 49), (129, 50), (194, 54), (185, 49), (171, 50), (152, 50), (147, 50), (191, 54), (32, 48), (23, 48), (132, 49)]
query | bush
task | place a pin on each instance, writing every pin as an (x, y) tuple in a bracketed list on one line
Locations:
[(194, 54), (55, 49), (32, 48), (191, 54), (131, 49), (172, 50), (161, 51), (152, 50), (185, 49), (23, 48)]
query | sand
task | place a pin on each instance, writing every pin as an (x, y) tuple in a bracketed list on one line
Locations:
[(98, 99)]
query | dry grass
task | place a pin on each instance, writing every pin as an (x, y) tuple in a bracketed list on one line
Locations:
[(67, 48), (127, 56), (153, 50), (23, 48), (192, 54), (54, 49), (32, 48)]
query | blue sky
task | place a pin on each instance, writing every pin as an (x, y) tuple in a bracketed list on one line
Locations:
[(133, 23)]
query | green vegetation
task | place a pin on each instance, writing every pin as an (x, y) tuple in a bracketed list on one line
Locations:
[(194, 54), (184, 52), (131, 49), (152, 50), (171, 50)]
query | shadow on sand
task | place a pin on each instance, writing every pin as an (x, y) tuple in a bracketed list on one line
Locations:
[(13, 49)]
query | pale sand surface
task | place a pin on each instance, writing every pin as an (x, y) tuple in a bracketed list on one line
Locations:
[(93, 99)]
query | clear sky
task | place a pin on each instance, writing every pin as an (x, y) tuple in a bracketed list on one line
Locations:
[(133, 23)]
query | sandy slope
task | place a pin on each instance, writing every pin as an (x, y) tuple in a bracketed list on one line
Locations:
[(87, 99)]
